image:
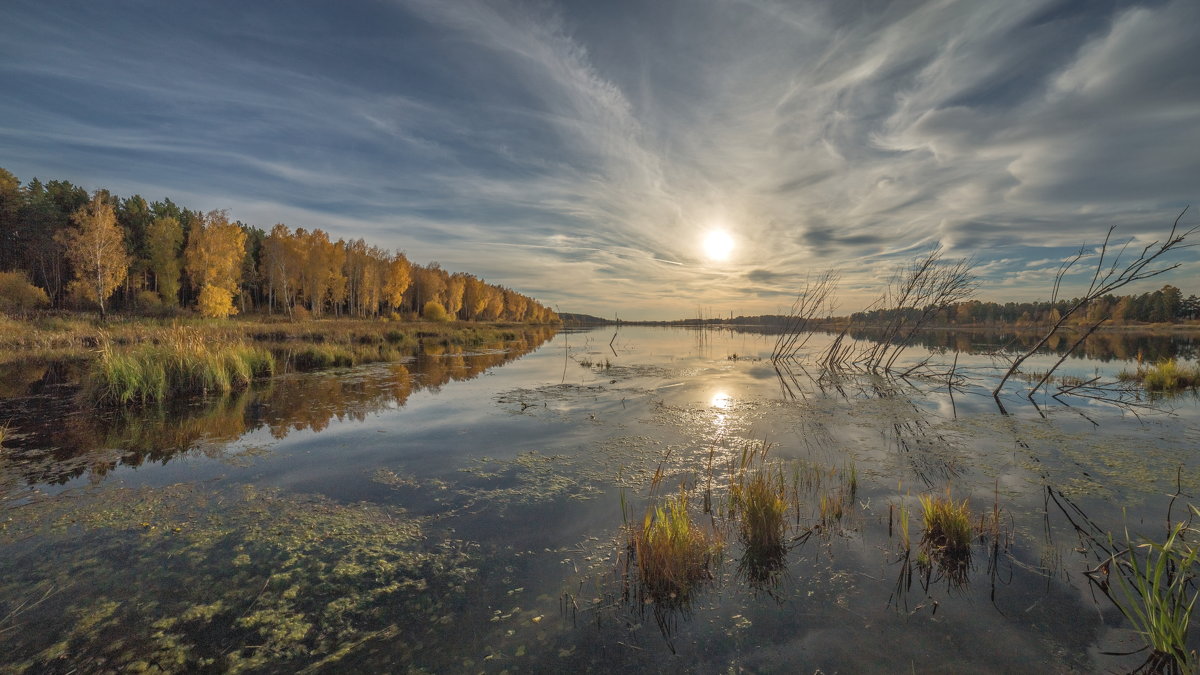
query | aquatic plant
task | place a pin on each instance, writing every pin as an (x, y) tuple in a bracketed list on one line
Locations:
[(262, 581), (671, 552), (759, 498), (315, 357), (184, 365), (1166, 376), (947, 523), (1157, 593)]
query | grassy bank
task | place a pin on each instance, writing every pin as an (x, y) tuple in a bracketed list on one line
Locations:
[(183, 366), (138, 359), (65, 336)]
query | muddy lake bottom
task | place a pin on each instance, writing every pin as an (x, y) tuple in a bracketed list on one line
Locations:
[(468, 512)]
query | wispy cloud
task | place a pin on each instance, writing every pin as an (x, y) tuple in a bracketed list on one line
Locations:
[(578, 152)]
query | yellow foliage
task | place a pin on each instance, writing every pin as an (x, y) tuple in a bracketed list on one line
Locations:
[(96, 249), (215, 302), (435, 312), (213, 259), (18, 295)]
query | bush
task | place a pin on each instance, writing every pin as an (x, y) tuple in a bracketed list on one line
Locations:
[(435, 312), (18, 295), (148, 301)]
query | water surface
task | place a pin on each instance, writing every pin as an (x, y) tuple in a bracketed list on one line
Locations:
[(464, 512)]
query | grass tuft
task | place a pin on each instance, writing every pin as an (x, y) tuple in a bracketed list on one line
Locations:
[(948, 531), (760, 498), (183, 364), (318, 356), (1166, 376), (1156, 592), (672, 553)]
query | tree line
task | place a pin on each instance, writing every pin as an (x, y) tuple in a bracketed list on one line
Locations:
[(1166, 305), (64, 248)]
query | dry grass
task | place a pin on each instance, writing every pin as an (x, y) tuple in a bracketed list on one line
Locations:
[(1164, 377), (186, 363), (672, 553)]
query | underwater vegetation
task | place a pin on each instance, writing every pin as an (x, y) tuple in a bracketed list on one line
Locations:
[(258, 580)]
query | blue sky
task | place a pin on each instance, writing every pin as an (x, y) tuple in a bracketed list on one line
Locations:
[(579, 152)]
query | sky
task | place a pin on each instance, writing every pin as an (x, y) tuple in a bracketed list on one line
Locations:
[(582, 152)]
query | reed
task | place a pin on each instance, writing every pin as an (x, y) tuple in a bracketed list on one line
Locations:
[(183, 364), (1168, 376), (948, 531), (318, 356), (759, 497), (1156, 592), (672, 553)]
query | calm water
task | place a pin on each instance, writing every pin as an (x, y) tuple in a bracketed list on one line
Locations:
[(465, 513)]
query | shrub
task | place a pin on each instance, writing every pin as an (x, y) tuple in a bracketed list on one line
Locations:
[(435, 312), (18, 295), (148, 301)]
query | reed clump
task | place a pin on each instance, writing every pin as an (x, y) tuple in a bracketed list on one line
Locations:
[(672, 552), (1165, 376), (759, 497), (182, 364), (318, 356), (948, 531), (1156, 591)]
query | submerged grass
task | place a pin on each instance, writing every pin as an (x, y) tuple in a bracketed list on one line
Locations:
[(186, 364)]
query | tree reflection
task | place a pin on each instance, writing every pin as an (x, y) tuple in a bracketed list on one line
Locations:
[(54, 442)]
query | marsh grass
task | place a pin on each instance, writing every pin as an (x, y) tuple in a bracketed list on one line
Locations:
[(1156, 591), (672, 552), (1164, 377), (948, 534), (318, 356), (182, 365), (760, 500)]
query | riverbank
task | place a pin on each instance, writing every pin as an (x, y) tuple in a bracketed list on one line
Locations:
[(80, 336)]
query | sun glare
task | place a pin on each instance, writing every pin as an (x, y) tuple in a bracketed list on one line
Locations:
[(718, 245)]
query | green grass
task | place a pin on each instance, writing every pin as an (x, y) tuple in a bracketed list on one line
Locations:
[(760, 499), (1156, 592), (184, 365), (672, 553), (947, 523), (315, 357), (1169, 376)]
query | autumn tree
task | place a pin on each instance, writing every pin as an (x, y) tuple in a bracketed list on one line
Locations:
[(95, 248), (281, 263), (164, 236), (213, 261), (397, 280)]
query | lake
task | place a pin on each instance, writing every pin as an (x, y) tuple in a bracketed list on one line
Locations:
[(469, 512)]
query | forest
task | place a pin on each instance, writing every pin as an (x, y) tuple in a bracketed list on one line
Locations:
[(63, 248)]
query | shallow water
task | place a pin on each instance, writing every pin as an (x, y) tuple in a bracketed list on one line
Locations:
[(465, 513)]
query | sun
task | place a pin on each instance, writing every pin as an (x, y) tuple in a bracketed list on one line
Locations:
[(718, 245)]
